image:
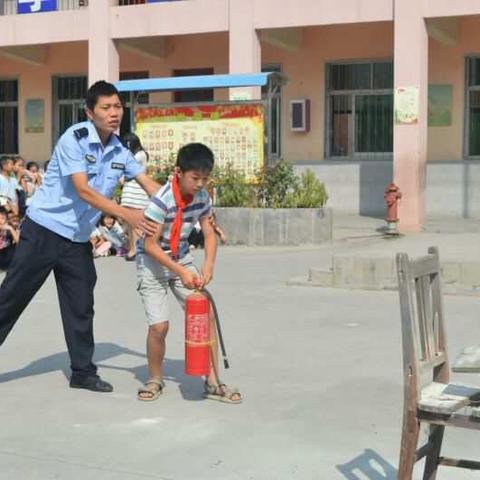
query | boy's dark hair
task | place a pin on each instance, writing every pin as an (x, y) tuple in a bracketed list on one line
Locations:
[(99, 89), (32, 164), (18, 158), (195, 156), (4, 159), (3, 211)]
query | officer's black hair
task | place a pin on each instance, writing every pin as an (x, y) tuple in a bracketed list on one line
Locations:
[(4, 159), (195, 156), (99, 89)]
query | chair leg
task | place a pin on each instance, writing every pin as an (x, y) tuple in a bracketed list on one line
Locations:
[(431, 461), (408, 447)]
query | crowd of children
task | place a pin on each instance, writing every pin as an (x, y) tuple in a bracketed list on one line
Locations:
[(18, 183), (20, 180)]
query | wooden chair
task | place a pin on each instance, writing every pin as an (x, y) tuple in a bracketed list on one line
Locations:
[(428, 395)]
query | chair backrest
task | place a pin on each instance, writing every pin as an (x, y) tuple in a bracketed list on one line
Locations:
[(425, 357)]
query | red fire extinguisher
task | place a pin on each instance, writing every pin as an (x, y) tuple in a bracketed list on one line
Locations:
[(197, 334)]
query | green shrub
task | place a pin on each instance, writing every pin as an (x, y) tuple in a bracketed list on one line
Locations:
[(308, 193), (232, 188), (161, 172), (275, 183)]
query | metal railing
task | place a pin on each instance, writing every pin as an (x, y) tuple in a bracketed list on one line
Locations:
[(10, 7), (141, 2)]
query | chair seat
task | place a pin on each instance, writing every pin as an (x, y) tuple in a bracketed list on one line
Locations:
[(446, 399)]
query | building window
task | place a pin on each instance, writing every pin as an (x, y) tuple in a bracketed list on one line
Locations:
[(274, 115), (359, 114), (473, 107), (68, 103), (195, 95), (9, 116), (131, 98)]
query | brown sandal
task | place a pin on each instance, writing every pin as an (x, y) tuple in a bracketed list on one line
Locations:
[(152, 388), (222, 393)]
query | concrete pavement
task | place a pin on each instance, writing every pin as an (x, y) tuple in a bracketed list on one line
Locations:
[(319, 368)]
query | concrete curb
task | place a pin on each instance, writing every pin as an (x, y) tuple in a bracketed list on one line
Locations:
[(379, 273)]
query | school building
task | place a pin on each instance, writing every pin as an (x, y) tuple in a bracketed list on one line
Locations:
[(382, 89)]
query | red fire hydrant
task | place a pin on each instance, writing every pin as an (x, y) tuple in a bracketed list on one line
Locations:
[(392, 196)]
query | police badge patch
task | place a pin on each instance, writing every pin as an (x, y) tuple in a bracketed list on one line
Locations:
[(90, 158)]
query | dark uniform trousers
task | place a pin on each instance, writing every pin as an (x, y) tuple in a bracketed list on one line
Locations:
[(39, 252)]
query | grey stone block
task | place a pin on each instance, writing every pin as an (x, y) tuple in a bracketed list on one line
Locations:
[(266, 226)]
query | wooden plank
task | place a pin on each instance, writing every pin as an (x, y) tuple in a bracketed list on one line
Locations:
[(445, 399), (457, 462), (433, 362), (426, 265)]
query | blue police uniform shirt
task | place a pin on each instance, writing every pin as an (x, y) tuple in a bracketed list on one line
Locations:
[(56, 204)]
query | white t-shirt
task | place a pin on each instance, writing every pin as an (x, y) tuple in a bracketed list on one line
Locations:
[(133, 195)]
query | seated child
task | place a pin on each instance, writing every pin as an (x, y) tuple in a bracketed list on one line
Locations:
[(108, 238), (166, 263), (8, 239), (196, 239), (32, 180)]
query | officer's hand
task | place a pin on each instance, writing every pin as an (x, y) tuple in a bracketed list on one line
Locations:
[(139, 223)]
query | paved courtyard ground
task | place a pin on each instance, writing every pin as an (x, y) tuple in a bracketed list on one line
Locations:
[(320, 371)]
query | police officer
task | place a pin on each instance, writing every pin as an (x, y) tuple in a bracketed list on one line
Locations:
[(86, 165)]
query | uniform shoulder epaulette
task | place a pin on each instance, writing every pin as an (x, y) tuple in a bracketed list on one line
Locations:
[(81, 133)]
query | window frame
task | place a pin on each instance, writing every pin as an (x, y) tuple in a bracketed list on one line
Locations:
[(330, 93), (56, 103), (13, 103), (466, 116), (274, 67)]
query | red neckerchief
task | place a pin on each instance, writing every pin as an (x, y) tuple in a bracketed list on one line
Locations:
[(181, 202)]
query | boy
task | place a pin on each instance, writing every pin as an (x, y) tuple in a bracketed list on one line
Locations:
[(166, 262)]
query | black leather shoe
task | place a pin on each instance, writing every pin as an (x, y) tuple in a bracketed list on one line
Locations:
[(92, 382)]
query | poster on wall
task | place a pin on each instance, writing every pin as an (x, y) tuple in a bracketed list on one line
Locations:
[(34, 116), (440, 100), (406, 105), (35, 6), (235, 133)]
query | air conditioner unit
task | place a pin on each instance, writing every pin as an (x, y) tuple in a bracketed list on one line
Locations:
[(300, 115)]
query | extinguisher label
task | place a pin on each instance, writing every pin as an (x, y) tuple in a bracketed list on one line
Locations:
[(198, 328)]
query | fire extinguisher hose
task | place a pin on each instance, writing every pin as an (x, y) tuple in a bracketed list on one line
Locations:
[(219, 328)]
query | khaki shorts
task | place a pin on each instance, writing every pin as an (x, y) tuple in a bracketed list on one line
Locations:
[(153, 282)]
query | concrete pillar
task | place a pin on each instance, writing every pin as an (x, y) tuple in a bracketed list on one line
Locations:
[(103, 57), (244, 46), (410, 140)]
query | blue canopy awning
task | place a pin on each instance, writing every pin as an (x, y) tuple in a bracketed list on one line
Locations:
[(192, 82)]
